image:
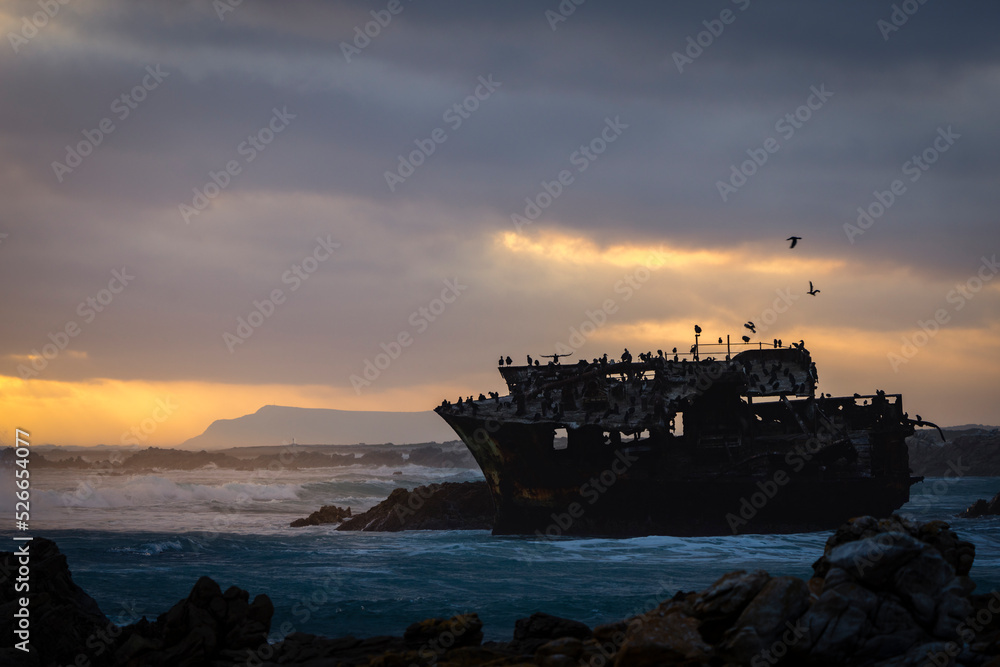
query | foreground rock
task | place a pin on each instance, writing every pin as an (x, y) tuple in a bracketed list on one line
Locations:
[(325, 514), (62, 616), (208, 627), (448, 506), (886, 593), (982, 508), (67, 627)]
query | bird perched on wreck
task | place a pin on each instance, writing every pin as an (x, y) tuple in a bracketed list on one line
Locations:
[(746, 339), (794, 240)]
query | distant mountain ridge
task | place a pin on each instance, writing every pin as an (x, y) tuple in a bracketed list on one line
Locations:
[(971, 449), (276, 425)]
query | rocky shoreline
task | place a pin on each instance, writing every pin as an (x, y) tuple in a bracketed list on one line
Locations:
[(151, 459), (447, 506), (884, 592)]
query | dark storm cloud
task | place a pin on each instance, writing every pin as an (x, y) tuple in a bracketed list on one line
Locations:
[(655, 184)]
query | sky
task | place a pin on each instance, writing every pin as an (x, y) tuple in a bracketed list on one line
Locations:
[(213, 206)]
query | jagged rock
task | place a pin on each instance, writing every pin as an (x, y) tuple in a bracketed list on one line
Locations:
[(200, 628), (540, 628), (888, 586), (325, 514), (424, 643), (301, 648), (937, 534), (472, 656), (873, 561), (982, 508), (559, 652), (62, 617), (440, 634), (664, 638), (545, 626), (448, 506), (768, 619), (718, 606)]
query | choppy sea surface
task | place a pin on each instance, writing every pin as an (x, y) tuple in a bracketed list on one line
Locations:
[(138, 543)]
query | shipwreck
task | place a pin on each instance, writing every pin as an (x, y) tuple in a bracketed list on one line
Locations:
[(720, 440)]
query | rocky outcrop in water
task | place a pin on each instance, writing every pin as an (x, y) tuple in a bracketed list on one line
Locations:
[(448, 506), (982, 508), (885, 593), (325, 514)]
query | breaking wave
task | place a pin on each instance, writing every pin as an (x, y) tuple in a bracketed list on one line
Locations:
[(150, 490)]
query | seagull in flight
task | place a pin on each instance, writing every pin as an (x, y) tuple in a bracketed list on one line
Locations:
[(812, 290), (794, 240), (751, 326)]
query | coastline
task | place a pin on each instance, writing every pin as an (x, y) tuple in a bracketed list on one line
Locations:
[(867, 566)]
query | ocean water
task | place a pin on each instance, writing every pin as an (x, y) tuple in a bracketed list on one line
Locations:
[(137, 544)]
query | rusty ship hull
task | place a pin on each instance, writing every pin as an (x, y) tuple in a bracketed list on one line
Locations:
[(699, 447)]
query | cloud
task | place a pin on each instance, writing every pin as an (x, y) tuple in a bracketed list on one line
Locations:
[(655, 187)]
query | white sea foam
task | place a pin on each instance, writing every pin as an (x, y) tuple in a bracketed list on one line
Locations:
[(151, 548), (153, 490)]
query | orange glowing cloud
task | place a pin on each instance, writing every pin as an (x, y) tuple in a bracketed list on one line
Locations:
[(563, 247)]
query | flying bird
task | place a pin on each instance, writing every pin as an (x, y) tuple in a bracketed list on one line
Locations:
[(751, 326), (812, 290), (794, 240)]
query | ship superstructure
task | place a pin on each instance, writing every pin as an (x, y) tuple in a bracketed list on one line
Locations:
[(683, 445)]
